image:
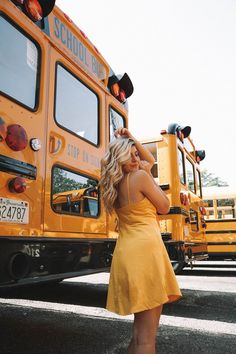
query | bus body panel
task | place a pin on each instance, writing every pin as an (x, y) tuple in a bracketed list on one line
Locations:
[(220, 205)]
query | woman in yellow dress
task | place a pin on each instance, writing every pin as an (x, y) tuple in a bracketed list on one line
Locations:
[(141, 278)]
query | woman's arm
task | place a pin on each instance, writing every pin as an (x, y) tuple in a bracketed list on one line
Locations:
[(143, 152), (148, 187)]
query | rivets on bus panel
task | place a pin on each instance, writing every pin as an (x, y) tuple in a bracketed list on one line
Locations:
[(35, 144), (16, 137), (3, 130), (17, 185)]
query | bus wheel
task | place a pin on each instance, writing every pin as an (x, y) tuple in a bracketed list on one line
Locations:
[(178, 266)]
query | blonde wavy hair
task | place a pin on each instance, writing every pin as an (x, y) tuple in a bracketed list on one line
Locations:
[(119, 151)]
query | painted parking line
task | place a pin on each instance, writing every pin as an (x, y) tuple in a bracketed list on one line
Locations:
[(216, 327)]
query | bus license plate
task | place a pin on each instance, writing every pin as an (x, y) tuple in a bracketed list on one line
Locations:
[(15, 211)]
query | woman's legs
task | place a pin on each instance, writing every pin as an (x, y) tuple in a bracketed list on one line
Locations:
[(144, 331)]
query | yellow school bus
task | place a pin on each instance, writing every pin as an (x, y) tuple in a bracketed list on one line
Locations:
[(60, 103), (178, 173), (220, 205), (82, 202)]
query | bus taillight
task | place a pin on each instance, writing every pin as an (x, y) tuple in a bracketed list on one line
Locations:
[(34, 10), (17, 185), (184, 199), (202, 210), (120, 88), (16, 137)]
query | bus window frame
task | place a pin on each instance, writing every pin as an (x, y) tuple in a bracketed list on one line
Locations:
[(200, 182), (82, 175), (59, 63), (194, 177), (110, 106), (39, 66), (183, 165)]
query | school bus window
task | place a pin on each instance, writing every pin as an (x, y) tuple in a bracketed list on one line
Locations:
[(209, 203), (19, 65), (225, 208), (181, 166), (194, 220), (199, 184), (190, 176), (74, 194), (116, 121), (76, 107), (152, 147)]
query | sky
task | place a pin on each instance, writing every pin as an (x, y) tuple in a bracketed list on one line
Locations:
[(181, 58)]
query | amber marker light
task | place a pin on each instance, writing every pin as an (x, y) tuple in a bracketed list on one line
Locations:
[(17, 185), (115, 90)]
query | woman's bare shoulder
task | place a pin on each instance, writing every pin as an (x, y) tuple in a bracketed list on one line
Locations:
[(140, 175)]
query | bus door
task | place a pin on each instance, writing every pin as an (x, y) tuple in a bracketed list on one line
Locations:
[(23, 124), (75, 146)]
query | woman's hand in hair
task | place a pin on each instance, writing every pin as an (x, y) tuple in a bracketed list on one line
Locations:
[(123, 132)]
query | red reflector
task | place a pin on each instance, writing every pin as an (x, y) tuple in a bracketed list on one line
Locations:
[(68, 18), (16, 137), (83, 34), (202, 210), (17, 185), (122, 96), (34, 10)]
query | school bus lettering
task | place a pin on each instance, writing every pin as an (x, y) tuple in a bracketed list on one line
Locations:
[(72, 151), (67, 38)]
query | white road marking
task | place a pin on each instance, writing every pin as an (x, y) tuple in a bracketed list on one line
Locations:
[(180, 322)]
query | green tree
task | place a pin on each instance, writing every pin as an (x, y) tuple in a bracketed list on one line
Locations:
[(209, 180)]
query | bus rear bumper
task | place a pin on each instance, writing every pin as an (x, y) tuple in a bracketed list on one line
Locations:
[(26, 260)]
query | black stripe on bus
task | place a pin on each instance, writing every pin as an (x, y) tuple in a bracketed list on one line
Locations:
[(221, 232), (164, 187), (178, 211), (221, 243), (18, 168), (221, 220)]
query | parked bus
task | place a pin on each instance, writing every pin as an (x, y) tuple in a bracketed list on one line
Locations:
[(220, 205), (59, 106), (178, 173), (83, 201)]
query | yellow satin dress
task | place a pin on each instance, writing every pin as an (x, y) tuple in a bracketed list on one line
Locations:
[(141, 275)]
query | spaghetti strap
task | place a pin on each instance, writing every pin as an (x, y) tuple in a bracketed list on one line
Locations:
[(127, 181)]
